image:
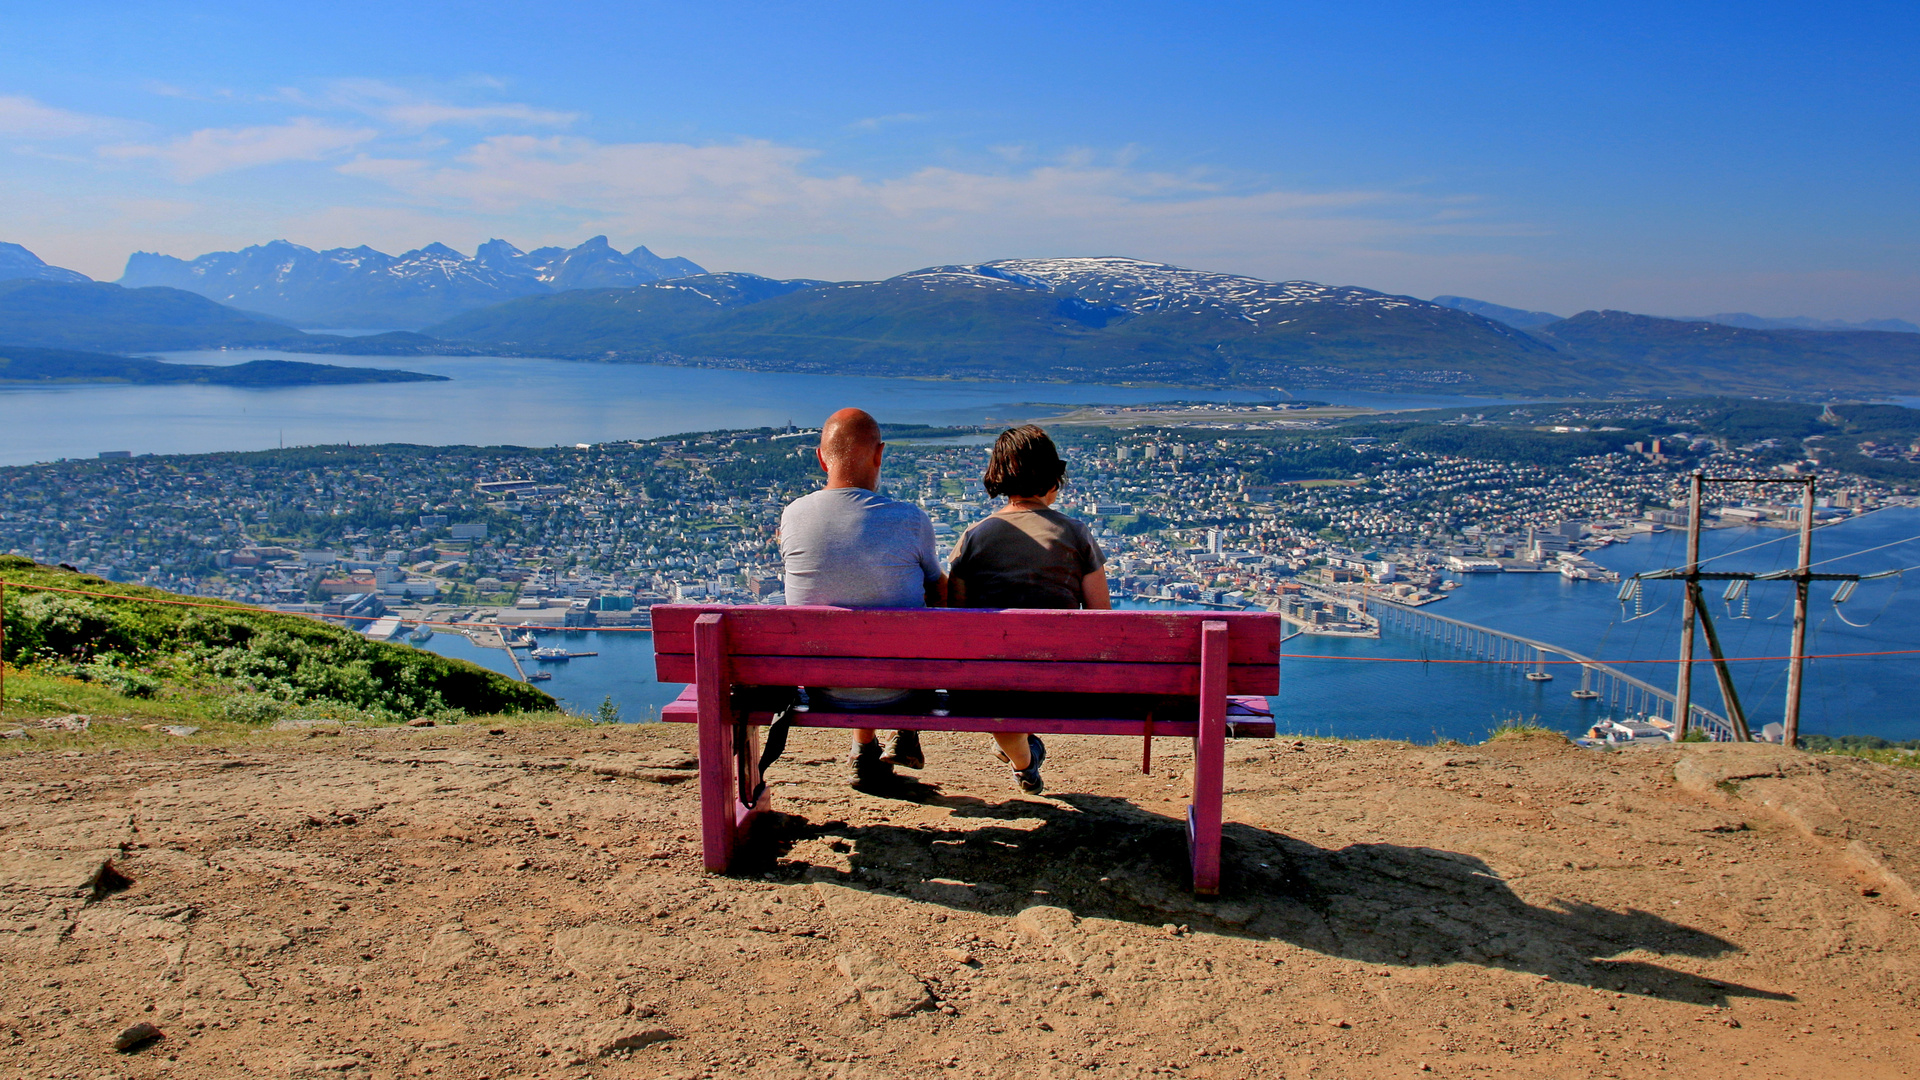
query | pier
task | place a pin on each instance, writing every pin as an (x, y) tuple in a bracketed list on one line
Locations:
[(1636, 697)]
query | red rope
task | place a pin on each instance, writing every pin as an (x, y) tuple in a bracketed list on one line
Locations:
[(1287, 656)]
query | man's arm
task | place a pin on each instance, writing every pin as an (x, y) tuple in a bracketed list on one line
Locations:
[(937, 592)]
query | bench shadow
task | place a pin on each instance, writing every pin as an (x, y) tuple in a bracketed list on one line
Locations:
[(1103, 857)]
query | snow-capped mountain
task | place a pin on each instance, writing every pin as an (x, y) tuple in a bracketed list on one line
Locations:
[(1098, 319), (363, 288), (1142, 287), (17, 262)]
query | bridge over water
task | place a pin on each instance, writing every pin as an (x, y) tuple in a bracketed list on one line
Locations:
[(1615, 687)]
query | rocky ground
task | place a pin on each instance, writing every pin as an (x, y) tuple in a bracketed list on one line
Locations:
[(462, 902)]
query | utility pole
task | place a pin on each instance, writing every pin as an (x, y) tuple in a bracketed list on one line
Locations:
[(1694, 608), (1683, 692), (1802, 584)]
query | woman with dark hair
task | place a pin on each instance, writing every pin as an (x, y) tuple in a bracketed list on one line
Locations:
[(1027, 555)]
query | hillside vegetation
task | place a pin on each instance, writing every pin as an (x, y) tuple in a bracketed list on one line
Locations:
[(246, 666)]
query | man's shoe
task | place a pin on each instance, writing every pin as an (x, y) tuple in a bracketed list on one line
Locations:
[(868, 770), (906, 751), (1029, 777)]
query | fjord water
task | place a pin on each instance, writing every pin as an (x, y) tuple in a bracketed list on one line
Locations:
[(513, 401), (1380, 689)]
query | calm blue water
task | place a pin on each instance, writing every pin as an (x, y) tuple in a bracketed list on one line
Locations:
[(1359, 696), (505, 401), (1860, 696)]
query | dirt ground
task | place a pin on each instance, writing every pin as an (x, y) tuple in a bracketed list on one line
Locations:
[(452, 902)]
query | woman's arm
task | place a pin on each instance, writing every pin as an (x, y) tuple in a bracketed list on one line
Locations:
[(1094, 588), (956, 591)]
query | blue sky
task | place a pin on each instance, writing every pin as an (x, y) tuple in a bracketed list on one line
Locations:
[(1670, 158)]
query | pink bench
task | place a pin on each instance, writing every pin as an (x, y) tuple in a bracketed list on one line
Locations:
[(1142, 673)]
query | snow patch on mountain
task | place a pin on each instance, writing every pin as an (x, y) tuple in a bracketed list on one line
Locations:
[(17, 262), (364, 287), (1139, 287)]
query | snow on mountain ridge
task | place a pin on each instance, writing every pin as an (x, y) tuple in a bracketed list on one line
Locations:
[(364, 287), (1140, 287)]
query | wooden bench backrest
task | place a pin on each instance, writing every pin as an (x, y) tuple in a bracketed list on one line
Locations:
[(1110, 652)]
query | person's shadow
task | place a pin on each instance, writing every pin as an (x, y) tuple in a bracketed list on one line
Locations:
[(1375, 903)]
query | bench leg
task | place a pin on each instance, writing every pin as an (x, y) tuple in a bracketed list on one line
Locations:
[(724, 823), (1209, 761)]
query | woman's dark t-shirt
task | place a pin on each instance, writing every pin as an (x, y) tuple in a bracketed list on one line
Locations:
[(1026, 559)]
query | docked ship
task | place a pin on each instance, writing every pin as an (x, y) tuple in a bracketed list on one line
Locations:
[(550, 653)]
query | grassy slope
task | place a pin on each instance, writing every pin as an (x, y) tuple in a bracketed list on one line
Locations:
[(70, 653)]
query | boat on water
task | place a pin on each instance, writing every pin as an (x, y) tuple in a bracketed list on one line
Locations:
[(1539, 676), (539, 676), (550, 653), (1586, 695)]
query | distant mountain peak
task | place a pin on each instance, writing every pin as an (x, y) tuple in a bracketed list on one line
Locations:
[(1519, 318), (1802, 322), (17, 262), (364, 287)]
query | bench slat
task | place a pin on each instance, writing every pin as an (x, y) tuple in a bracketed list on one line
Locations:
[(1049, 677), (964, 634), (1245, 720)]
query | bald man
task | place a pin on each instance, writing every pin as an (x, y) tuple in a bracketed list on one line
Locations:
[(847, 545)]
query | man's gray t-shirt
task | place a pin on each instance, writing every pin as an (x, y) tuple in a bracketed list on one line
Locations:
[(850, 547)]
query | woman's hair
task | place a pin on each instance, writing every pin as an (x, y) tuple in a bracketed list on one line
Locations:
[(1024, 462)]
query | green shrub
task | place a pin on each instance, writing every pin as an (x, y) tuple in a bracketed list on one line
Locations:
[(258, 709)]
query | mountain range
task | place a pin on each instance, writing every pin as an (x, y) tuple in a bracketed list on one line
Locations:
[(361, 287), (1123, 320), (1527, 320), (1096, 319), (1074, 319)]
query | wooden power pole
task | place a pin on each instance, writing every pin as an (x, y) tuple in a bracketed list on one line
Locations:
[(1802, 583), (1683, 691)]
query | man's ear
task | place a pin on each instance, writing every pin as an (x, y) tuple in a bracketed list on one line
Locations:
[(879, 451), (821, 457)]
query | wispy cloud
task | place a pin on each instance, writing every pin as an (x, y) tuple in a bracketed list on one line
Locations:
[(875, 123), (772, 200), (410, 111), (25, 116), (210, 151)]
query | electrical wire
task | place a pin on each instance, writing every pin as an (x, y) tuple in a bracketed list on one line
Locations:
[(1864, 551), (1789, 536), (1878, 653)]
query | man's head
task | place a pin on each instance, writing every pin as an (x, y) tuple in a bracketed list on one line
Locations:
[(850, 450)]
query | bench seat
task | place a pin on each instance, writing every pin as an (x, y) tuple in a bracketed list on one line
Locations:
[(1248, 717)]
